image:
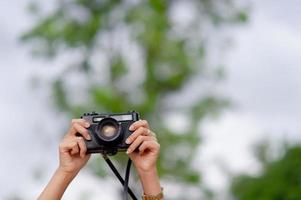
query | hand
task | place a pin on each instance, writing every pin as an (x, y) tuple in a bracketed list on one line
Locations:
[(144, 140), (73, 148)]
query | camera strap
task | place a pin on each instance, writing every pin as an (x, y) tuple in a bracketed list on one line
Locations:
[(124, 181)]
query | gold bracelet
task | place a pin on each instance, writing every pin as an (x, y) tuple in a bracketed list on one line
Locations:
[(153, 197)]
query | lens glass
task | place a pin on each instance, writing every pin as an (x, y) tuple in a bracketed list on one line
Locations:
[(109, 130)]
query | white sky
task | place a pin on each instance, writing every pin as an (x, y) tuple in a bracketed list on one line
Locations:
[(263, 80)]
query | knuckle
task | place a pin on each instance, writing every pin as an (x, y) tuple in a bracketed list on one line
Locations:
[(141, 122), (73, 125), (73, 121), (140, 129), (140, 137), (73, 144), (145, 130)]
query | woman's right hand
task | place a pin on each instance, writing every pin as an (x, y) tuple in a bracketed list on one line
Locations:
[(72, 158), (73, 149)]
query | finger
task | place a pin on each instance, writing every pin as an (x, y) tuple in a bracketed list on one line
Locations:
[(81, 130), (75, 149), (67, 145), (82, 146), (82, 122), (137, 124), (153, 134), (150, 145), (137, 142), (135, 134)]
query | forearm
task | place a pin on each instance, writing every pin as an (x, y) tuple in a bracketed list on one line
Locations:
[(56, 186), (150, 182)]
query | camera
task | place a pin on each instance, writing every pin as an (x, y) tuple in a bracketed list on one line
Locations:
[(109, 131)]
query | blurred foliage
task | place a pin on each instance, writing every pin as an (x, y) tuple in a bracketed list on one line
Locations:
[(280, 179), (132, 55)]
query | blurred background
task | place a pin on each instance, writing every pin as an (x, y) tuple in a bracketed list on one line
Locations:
[(217, 80)]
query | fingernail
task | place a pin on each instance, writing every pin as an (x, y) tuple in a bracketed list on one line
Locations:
[(89, 137), (131, 128), (127, 152), (87, 125), (128, 141)]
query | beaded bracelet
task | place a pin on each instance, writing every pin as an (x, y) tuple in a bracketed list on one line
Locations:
[(153, 197)]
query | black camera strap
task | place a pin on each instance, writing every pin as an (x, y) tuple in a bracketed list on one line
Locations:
[(124, 181)]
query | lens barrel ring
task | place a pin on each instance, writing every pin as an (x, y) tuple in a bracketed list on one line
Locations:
[(108, 129)]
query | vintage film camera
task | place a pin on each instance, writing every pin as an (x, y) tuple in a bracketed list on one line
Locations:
[(109, 131)]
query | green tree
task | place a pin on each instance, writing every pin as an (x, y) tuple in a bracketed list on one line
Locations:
[(133, 55), (280, 179)]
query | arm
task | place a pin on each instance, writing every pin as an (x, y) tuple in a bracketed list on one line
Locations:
[(72, 151), (56, 186), (146, 157)]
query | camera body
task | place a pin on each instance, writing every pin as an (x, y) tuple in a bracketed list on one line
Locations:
[(109, 131)]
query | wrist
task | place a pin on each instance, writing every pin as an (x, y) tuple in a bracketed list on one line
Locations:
[(147, 172), (66, 173), (150, 181)]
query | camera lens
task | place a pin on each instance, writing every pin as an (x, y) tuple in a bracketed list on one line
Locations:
[(108, 129)]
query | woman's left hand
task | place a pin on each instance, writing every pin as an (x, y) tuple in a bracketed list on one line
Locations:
[(144, 149)]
